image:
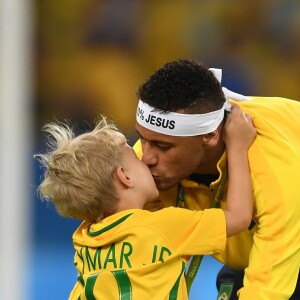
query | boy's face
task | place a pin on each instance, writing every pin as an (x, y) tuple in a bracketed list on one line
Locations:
[(140, 174), (171, 158)]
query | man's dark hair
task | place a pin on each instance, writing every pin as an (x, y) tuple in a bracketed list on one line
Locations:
[(183, 84)]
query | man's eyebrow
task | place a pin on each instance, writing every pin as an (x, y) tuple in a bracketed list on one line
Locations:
[(155, 141)]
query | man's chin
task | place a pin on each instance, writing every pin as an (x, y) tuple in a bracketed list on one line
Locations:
[(164, 185)]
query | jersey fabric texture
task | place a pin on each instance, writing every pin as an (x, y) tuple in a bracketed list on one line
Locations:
[(137, 254), (270, 252)]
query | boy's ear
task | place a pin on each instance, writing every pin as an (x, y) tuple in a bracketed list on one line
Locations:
[(212, 138), (123, 176)]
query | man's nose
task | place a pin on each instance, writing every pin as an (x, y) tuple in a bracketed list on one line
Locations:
[(149, 157)]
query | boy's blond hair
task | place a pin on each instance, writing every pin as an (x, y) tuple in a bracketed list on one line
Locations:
[(79, 170)]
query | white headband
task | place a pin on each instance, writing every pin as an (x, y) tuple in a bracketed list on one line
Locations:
[(175, 124)]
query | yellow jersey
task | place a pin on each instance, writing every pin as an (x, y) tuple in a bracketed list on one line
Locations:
[(137, 254)]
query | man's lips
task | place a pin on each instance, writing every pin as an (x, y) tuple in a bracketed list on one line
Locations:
[(155, 176)]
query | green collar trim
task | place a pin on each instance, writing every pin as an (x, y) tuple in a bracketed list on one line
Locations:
[(110, 226)]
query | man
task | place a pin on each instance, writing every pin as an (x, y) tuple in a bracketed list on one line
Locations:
[(180, 121)]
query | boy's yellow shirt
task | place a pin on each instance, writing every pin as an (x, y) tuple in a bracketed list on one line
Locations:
[(137, 254)]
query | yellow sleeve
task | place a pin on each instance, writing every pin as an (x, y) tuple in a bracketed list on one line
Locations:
[(192, 232), (274, 160)]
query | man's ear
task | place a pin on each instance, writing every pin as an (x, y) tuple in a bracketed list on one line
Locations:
[(211, 139), (123, 177)]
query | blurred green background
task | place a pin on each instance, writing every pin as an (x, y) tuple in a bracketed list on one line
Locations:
[(92, 55)]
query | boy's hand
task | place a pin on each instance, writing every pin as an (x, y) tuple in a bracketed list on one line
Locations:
[(239, 131)]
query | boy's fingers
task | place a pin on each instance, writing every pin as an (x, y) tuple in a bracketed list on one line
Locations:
[(236, 111), (248, 117)]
